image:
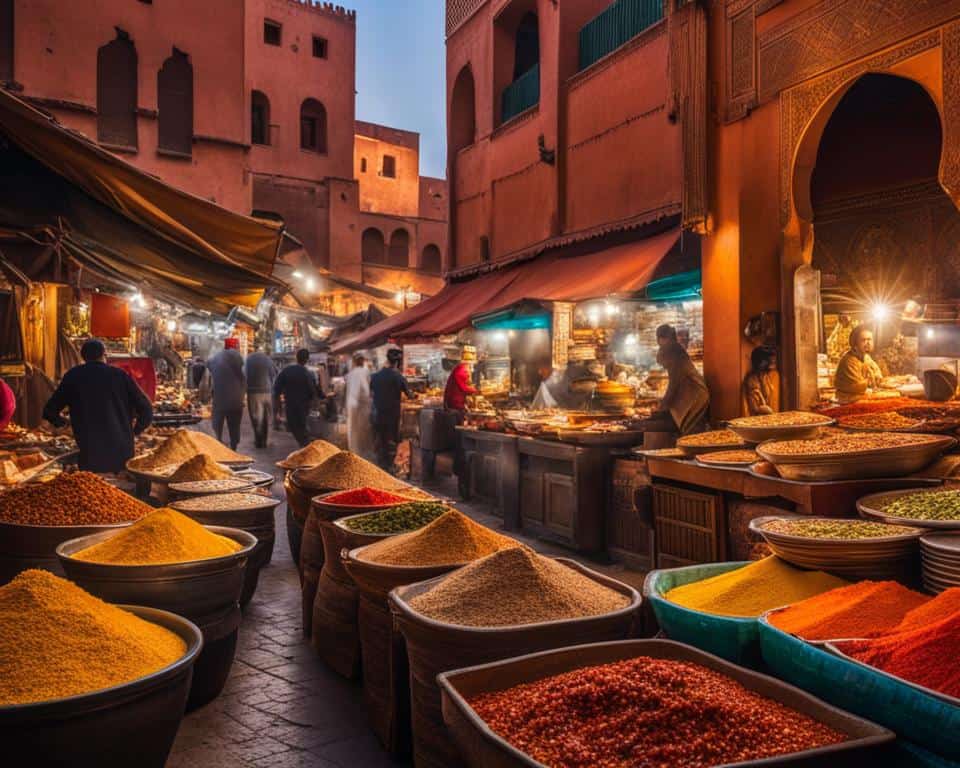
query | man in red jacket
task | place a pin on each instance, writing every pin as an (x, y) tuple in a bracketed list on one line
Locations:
[(457, 389)]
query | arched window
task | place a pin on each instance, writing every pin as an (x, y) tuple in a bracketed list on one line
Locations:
[(175, 104), (399, 249), (313, 126), (527, 46), (372, 247), (259, 118), (6, 40), (463, 111), (430, 260), (117, 92)]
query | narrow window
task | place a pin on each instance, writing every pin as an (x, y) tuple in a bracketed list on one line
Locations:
[(398, 253), (271, 32), (363, 165), (372, 247), (319, 47), (175, 104), (313, 126), (6, 40), (259, 118), (117, 92), (431, 260), (389, 167)]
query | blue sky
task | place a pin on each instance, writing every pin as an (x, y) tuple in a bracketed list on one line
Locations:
[(401, 71)]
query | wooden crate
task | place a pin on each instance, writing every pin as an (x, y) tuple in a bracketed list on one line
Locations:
[(630, 537), (690, 526)]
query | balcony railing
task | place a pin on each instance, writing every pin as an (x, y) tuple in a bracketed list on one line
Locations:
[(620, 22), (521, 94)]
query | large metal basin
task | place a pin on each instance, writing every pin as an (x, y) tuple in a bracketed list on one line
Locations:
[(133, 724)]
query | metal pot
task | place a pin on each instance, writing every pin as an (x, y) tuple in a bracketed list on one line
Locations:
[(34, 546), (130, 724)]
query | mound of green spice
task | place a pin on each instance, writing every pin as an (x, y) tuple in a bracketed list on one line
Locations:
[(400, 519)]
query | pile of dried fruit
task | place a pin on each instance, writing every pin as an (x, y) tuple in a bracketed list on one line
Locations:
[(516, 586), (77, 498), (852, 443), (400, 519), (927, 505), (784, 419), (823, 528), (647, 712), (714, 437)]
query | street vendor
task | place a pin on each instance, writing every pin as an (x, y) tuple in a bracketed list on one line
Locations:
[(684, 406), (458, 388), (857, 371), (761, 387), (107, 409)]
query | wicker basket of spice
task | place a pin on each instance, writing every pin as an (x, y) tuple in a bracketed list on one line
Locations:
[(713, 721), (510, 603)]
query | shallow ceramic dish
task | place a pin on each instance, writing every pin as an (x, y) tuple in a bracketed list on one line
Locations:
[(872, 507)]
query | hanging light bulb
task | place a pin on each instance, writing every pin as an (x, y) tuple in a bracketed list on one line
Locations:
[(171, 325)]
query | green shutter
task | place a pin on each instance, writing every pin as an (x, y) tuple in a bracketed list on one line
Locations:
[(620, 22), (521, 94)]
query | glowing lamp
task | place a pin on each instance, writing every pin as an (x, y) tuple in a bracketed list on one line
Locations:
[(880, 312)]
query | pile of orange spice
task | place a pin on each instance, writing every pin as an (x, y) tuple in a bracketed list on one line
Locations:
[(864, 609)]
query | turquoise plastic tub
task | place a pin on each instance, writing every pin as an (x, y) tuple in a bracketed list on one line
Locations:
[(914, 715), (733, 639), (908, 755)]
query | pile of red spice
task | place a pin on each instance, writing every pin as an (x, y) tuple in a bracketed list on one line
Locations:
[(647, 712), (365, 497), (925, 656)]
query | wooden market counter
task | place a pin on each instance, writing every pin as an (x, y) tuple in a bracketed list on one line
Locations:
[(701, 514)]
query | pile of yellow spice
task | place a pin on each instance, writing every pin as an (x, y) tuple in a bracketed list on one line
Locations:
[(57, 640), (162, 537), (754, 589), (200, 467), (182, 445)]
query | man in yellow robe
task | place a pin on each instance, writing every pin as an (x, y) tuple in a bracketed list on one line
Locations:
[(857, 372)]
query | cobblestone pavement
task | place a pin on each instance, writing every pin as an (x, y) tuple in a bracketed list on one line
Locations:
[(282, 707)]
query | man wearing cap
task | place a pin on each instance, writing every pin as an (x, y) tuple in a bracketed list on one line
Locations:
[(229, 385), (107, 409), (386, 386)]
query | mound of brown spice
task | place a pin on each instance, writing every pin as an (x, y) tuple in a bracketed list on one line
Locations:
[(200, 467), (344, 471), (451, 539), (310, 455), (182, 445), (516, 586), (75, 498), (57, 640)]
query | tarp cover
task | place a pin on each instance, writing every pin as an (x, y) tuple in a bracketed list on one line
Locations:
[(126, 222), (622, 269)]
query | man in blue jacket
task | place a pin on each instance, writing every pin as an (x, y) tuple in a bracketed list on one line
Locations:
[(386, 387), (107, 409)]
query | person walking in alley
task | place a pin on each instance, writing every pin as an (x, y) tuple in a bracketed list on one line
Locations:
[(387, 385), (229, 383), (297, 385), (261, 373), (357, 401), (107, 409)]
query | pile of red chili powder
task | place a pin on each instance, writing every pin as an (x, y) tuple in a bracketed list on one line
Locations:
[(365, 497), (926, 656), (646, 712)]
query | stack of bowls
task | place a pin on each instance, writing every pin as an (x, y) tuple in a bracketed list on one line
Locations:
[(940, 553), (878, 558)]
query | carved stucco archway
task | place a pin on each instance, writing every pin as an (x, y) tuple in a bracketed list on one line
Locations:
[(804, 113)]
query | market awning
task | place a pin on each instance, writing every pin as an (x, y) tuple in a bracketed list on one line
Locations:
[(115, 218), (620, 270)]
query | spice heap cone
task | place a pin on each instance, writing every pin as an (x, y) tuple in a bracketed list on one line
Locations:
[(344, 471), (936, 609), (451, 539), (754, 589), (316, 452), (75, 498), (516, 586), (865, 609), (200, 467), (164, 536), (56, 641), (182, 445)]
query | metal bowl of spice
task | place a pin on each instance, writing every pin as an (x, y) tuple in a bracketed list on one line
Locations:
[(852, 549), (923, 508), (218, 485), (788, 425), (356, 500)]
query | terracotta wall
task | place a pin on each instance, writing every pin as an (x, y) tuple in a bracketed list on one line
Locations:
[(379, 193)]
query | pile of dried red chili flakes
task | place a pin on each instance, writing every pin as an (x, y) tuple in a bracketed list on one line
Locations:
[(646, 712)]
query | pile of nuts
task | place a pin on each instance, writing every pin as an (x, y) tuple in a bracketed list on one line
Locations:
[(714, 437), (880, 421), (647, 712), (852, 443), (76, 498), (784, 419)]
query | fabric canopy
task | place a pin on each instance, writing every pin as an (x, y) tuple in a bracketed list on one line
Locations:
[(622, 269), (124, 224)]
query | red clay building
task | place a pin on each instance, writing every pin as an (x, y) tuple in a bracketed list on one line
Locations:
[(249, 104)]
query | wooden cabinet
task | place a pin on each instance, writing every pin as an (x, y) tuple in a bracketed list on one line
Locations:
[(490, 463)]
